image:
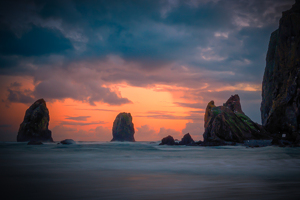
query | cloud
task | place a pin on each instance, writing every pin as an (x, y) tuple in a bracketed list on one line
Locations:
[(62, 132), (145, 133), (157, 31), (194, 49), (88, 91), (75, 82), (78, 118), (15, 85), (97, 109), (76, 123), (189, 105), (164, 132), (19, 96), (38, 41), (195, 129)]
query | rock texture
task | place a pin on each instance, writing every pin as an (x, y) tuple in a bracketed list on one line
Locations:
[(228, 123), (123, 129), (169, 140), (35, 124), (281, 83), (187, 140)]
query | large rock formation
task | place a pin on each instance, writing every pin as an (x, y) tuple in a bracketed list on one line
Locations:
[(228, 123), (123, 129), (35, 124), (280, 105)]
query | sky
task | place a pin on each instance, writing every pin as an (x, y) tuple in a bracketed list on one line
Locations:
[(160, 60)]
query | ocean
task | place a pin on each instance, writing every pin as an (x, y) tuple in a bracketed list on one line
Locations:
[(145, 170)]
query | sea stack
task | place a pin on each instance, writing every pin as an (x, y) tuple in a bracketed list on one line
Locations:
[(228, 123), (187, 140), (123, 128), (35, 124), (280, 107)]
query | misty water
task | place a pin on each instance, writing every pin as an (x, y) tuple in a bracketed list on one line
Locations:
[(144, 170)]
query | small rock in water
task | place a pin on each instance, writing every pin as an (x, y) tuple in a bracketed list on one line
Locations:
[(187, 140), (169, 140), (67, 141)]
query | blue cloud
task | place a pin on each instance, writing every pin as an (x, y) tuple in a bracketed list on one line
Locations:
[(36, 42)]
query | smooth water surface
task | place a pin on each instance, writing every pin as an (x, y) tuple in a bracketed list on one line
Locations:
[(144, 170)]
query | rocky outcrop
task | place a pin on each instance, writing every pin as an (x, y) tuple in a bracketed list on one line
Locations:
[(280, 105), (35, 124), (228, 123), (67, 141), (169, 140), (187, 140), (123, 129)]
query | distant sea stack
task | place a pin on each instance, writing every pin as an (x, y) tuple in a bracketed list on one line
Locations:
[(169, 140), (123, 129), (35, 124), (187, 140), (228, 123), (280, 105)]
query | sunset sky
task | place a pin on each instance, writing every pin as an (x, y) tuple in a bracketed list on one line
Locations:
[(160, 60)]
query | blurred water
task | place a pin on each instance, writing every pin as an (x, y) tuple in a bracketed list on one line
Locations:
[(143, 170)]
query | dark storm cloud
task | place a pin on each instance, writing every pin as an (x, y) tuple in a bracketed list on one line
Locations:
[(18, 96), (139, 30), (220, 41), (38, 41)]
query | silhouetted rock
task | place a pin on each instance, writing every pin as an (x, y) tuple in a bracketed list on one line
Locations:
[(35, 124), (187, 140), (123, 129), (280, 107), (228, 123), (67, 141), (169, 140), (33, 142)]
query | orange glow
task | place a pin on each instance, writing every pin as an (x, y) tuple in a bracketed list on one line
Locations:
[(146, 103), (153, 108)]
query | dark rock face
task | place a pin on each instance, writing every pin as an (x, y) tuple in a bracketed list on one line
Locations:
[(169, 140), (67, 141), (228, 123), (35, 124), (123, 129), (187, 140), (280, 107)]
